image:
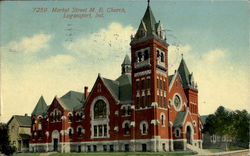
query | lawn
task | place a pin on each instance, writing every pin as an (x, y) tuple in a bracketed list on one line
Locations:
[(215, 150), (230, 148), (111, 154), (125, 154), (26, 154)]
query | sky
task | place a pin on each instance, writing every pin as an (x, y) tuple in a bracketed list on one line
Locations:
[(47, 53)]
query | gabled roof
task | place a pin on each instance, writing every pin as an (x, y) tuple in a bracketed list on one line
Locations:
[(113, 87), (126, 60), (41, 107), (125, 87), (72, 100), (170, 77), (121, 88), (23, 120), (180, 118)]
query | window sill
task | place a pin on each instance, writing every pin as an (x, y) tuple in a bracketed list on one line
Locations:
[(126, 115), (100, 137)]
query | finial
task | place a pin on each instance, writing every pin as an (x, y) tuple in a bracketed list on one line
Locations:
[(148, 2), (182, 55)]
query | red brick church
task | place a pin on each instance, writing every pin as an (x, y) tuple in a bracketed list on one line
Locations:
[(144, 109)]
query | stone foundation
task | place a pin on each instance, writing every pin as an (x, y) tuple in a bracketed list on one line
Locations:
[(143, 145)]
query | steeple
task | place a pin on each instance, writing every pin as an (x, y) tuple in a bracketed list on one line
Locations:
[(126, 65), (149, 27), (186, 77)]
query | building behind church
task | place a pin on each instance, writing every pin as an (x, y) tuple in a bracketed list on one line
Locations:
[(19, 132), (144, 109)]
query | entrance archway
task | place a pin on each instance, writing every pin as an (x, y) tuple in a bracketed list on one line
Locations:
[(55, 140), (189, 135)]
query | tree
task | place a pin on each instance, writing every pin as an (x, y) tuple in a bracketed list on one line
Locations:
[(232, 125), (4, 143), (241, 124)]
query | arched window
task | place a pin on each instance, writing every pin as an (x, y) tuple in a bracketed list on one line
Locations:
[(124, 110), (39, 123), (79, 131), (128, 110), (158, 54), (162, 120), (127, 129), (70, 133), (162, 57), (139, 56), (100, 109), (70, 116), (177, 132), (146, 55), (144, 127), (79, 116)]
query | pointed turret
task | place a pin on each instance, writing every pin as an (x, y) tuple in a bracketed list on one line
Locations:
[(149, 20), (126, 65), (41, 107), (149, 27), (186, 77)]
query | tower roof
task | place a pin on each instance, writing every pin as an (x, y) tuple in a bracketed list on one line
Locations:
[(149, 20), (149, 29), (186, 76), (41, 107), (126, 60)]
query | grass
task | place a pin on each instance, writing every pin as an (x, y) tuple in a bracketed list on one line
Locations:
[(230, 148), (125, 154), (27, 154), (180, 153), (233, 148), (215, 150)]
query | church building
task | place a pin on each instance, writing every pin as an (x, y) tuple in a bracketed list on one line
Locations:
[(144, 109)]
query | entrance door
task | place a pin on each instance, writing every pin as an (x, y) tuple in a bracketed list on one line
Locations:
[(126, 147), (188, 133), (144, 148), (55, 144), (79, 148)]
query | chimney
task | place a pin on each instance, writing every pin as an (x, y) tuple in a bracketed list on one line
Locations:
[(25, 114), (86, 93)]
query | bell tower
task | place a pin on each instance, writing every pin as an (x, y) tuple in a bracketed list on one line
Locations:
[(149, 54)]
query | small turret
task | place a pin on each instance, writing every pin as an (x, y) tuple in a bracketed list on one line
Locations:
[(126, 65)]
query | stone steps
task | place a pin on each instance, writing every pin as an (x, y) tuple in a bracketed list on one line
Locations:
[(198, 150)]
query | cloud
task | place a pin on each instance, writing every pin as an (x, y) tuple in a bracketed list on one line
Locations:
[(220, 82), (107, 43), (56, 75), (29, 44), (59, 59), (174, 55)]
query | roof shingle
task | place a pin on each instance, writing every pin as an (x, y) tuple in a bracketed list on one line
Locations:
[(41, 107)]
